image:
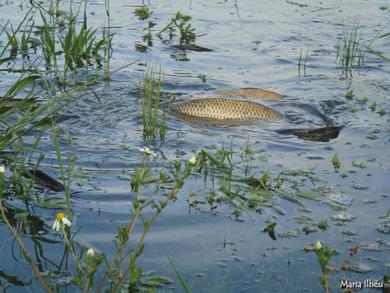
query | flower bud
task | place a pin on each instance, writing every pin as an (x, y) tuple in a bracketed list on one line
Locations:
[(192, 161), (90, 252)]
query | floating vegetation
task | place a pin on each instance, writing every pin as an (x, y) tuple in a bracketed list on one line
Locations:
[(349, 95), (373, 106), (179, 25), (336, 162), (384, 223), (323, 225), (270, 229), (144, 13), (231, 183)]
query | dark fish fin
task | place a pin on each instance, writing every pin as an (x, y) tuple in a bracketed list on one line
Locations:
[(318, 134), (192, 47), (311, 109), (45, 180)]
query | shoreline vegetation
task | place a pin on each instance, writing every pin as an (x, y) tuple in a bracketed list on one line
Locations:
[(74, 59)]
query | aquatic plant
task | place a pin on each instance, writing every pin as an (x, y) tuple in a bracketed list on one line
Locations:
[(180, 23), (13, 44), (270, 229), (302, 61), (349, 95), (373, 106), (16, 234), (324, 255), (350, 52), (154, 124), (131, 273), (179, 276), (231, 184), (119, 273), (66, 179), (144, 13), (323, 225), (79, 48), (106, 41), (336, 162)]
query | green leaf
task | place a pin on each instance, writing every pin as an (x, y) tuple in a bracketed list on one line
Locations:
[(182, 282)]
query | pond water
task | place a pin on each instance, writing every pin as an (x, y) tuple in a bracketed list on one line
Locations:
[(255, 44)]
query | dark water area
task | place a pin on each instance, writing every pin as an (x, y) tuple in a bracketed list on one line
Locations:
[(254, 44)]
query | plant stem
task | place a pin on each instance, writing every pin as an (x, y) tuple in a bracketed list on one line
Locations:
[(24, 249)]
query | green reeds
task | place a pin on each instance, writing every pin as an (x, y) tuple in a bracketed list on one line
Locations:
[(350, 51), (13, 44), (377, 53), (48, 41), (154, 125), (78, 46), (302, 62), (107, 41), (66, 177)]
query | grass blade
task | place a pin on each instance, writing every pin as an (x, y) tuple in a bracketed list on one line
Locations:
[(181, 280)]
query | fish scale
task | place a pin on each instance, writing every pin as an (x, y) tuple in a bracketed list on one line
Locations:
[(250, 93), (224, 109)]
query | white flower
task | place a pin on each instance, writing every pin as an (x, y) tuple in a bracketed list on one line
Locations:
[(147, 151), (192, 161), (90, 252), (2, 169), (60, 222), (318, 245)]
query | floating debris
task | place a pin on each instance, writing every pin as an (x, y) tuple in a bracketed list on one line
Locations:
[(308, 248), (372, 246), (310, 228), (315, 157), (290, 234), (357, 267), (384, 225), (358, 164), (340, 198)]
